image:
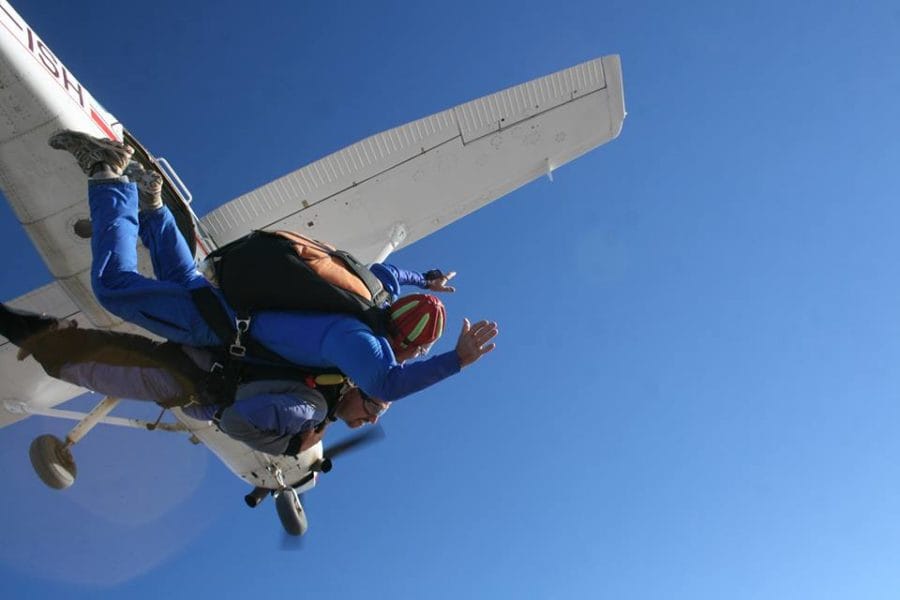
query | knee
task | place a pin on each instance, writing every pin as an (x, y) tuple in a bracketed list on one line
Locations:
[(108, 298), (111, 287), (104, 280)]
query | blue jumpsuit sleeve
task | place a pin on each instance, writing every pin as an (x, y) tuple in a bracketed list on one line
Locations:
[(403, 380), (279, 413), (369, 361), (393, 278)]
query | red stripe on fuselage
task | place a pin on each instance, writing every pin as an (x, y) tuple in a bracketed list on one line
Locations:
[(102, 125)]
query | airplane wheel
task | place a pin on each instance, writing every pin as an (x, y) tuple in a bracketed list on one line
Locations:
[(52, 462), (293, 519)]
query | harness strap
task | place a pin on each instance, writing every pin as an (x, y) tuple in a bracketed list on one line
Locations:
[(227, 373), (373, 284), (215, 315)]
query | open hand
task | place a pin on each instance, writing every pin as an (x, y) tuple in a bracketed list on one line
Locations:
[(474, 341)]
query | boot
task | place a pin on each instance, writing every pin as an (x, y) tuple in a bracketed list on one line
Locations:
[(21, 327), (149, 184)]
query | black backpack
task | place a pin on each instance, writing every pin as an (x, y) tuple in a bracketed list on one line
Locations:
[(283, 270)]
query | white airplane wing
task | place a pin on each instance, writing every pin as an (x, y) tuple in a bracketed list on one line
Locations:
[(400, 185)]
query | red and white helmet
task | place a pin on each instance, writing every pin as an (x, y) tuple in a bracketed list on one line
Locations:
[(416, 320)]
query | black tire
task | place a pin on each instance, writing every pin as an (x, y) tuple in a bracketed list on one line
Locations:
[(52, 462), (293, 519)]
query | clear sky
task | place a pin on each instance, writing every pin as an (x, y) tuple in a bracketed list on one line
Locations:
[(695, 391)]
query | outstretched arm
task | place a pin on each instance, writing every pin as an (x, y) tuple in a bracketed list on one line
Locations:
[(370, 363), (393, 278)]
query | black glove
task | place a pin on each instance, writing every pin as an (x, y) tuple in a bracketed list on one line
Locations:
[(432, 274)]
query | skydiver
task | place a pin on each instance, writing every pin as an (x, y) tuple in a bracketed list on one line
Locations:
[(269, 415), (164, 306)]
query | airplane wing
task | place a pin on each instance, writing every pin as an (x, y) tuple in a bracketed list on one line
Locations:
[(399, 186)]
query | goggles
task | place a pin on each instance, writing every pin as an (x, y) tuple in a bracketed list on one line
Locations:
[(373, 407)]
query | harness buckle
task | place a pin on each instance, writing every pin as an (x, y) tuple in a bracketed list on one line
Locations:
[(242, 326)]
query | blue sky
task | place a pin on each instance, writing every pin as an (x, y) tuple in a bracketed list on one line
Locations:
[(695, 389)]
